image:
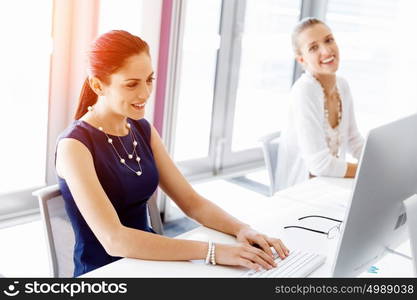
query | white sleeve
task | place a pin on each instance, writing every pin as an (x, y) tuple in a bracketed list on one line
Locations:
[(355, 139), (310, 134)]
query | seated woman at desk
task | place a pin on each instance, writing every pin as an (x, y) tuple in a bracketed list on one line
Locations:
[(110, 160), (321, 126)]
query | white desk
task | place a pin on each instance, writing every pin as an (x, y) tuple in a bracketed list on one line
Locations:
[(323, 196)]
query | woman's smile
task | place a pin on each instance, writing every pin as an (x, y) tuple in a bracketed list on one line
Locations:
[(138, 106), (328, 60)]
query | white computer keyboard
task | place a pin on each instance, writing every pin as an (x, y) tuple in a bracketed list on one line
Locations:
[(296, 264)]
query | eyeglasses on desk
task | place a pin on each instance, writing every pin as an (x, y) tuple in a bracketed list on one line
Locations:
[(331, 233)]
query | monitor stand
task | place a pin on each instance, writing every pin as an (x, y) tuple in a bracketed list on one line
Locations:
[(410, 205)]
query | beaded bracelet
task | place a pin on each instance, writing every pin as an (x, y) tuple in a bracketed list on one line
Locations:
[(213, 255), (208, 257)]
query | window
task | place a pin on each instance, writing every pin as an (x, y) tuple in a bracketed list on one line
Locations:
[(266, 70), (24, 81), (196, 86), (115, 15), (377, 46), (236, 69)]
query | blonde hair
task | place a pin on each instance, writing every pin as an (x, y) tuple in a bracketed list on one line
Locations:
[(300, 27)]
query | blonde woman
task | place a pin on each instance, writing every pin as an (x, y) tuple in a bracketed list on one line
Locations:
[(321, 127)]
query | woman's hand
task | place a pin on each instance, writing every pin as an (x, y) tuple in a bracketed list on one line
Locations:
[(247, 235), (243, 255)]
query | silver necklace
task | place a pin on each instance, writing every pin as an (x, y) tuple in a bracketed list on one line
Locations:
[(129, 155)]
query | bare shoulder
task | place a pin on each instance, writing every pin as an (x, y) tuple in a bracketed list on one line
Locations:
[(71, 153), (155, 138)]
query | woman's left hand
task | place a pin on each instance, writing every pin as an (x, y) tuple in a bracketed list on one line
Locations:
[(250, 236)]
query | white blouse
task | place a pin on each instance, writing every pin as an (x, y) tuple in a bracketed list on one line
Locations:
[(303, 147)]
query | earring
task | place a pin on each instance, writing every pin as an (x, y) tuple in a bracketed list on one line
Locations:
[(98, 91)]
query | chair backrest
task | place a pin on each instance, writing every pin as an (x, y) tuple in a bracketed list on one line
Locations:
[(154, 214), (270, 147), (59, 234)]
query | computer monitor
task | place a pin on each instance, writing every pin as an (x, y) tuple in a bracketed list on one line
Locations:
[(375, 216)]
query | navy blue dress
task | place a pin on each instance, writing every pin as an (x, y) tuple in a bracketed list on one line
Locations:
[(127, 191)]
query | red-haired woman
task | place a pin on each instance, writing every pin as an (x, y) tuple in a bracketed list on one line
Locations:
[(110, 160)]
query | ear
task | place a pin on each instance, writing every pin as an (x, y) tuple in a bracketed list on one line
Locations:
[(300, 59), (96, 85)]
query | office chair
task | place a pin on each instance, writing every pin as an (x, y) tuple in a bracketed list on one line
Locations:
[(270, 147), (60, 237)]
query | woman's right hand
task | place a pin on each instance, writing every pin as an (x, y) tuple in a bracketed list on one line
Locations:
[(244, 255)]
